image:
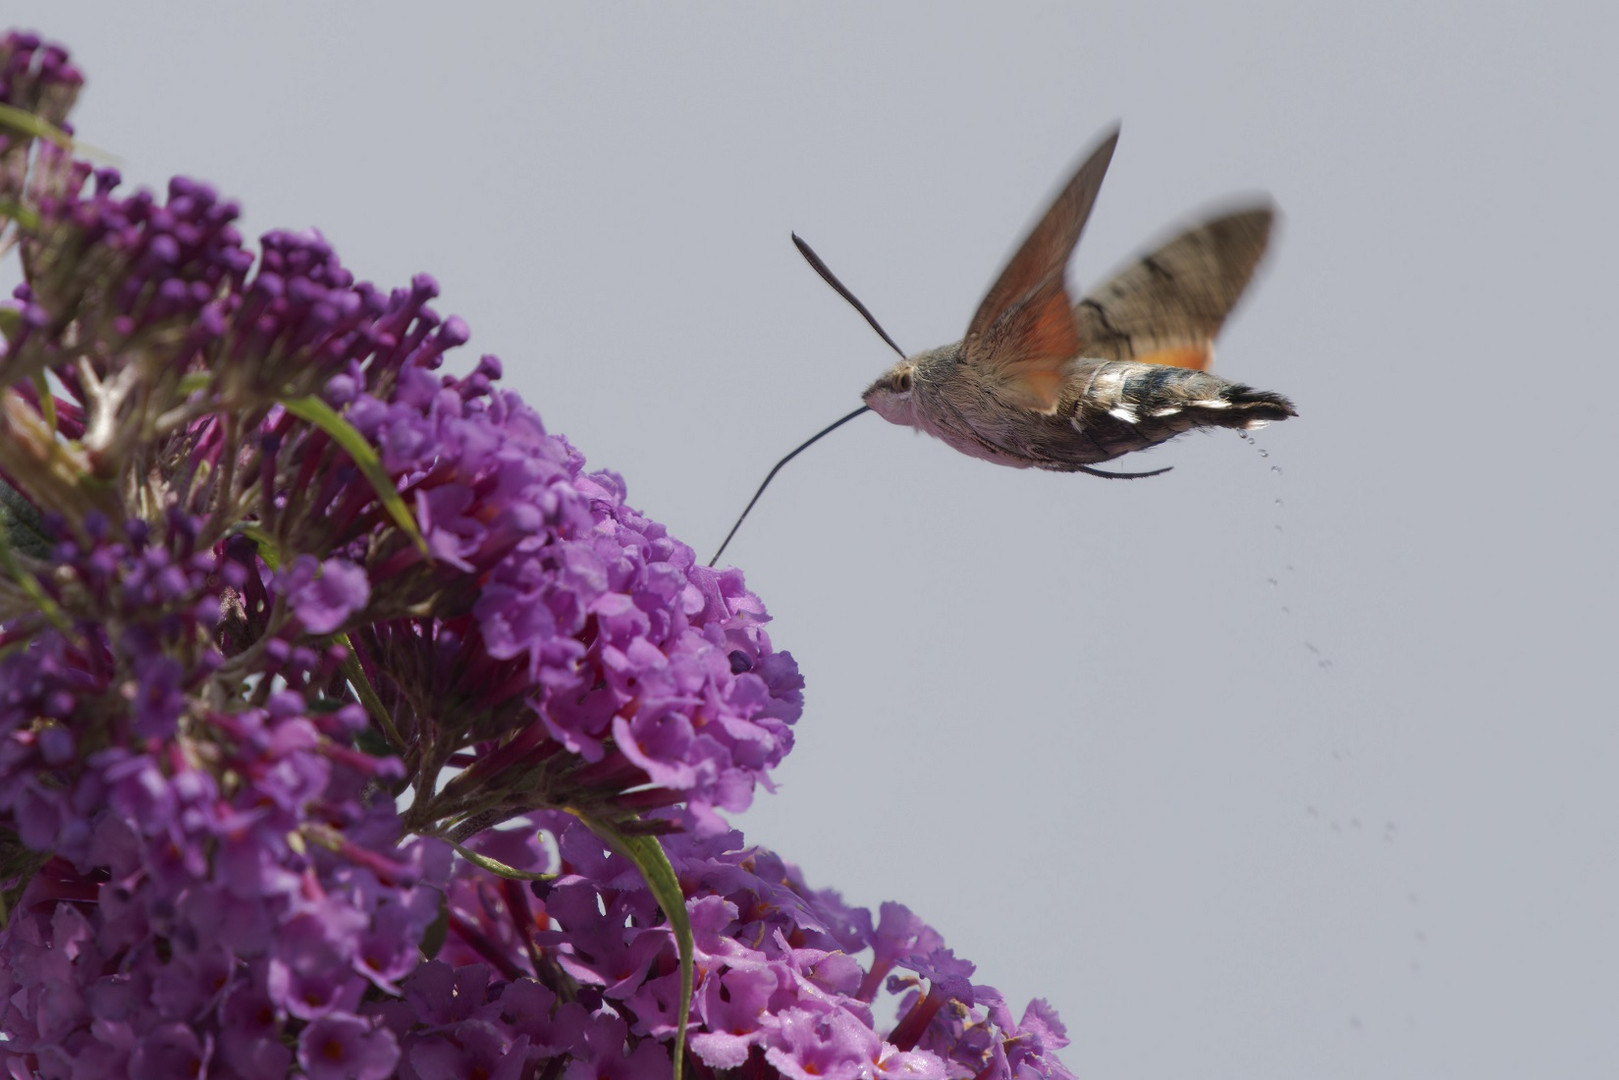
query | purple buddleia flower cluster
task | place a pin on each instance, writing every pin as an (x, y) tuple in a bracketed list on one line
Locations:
[(780, 991), (36, 80), (289, 617)]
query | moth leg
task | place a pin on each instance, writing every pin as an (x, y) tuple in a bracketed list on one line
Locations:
[(1121, 475)]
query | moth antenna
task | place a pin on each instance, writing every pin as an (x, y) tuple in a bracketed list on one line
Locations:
[(1122, 475), (832, 279), (772, 474)]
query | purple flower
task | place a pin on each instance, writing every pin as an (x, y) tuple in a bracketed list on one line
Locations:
[(606, 1054), (248, 703), (778, 979), (346, 1048), (169, 1052), (323, 595), (811, 1044), (36, 78)]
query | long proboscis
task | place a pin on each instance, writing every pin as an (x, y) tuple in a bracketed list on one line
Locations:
[(772, 475)]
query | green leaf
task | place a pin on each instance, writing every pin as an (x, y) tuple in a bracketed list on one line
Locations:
[(659, 874), (495, 866), (26, 122), (21, 524), (26, 217), (354, 671), (437, 930), (315, 411), (47, 400), (266, 544), (22, 530)]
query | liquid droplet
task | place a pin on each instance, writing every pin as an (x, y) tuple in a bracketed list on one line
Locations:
[(1277, 469)]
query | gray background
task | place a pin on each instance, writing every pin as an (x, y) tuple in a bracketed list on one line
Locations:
[(1356, 823)]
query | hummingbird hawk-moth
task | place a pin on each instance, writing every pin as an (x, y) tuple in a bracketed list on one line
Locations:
[(1040, 381)]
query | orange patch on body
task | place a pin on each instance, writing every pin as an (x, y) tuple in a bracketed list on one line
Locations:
[(1042, 387), (1196, 357), (1050, 334), (1046, 340)]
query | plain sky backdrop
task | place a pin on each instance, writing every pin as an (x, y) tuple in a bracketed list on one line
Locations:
[(1298, 762)]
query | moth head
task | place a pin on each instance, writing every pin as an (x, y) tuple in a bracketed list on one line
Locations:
[(892, 396)]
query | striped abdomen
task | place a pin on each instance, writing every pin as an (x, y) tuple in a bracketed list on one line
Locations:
[(1111, 408)]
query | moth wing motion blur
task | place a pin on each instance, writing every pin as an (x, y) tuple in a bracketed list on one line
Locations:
[(1024, 330), (1167, 306), (1148, 333), (1039, 381)]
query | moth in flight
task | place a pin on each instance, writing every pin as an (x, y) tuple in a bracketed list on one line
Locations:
[(1040, 381)]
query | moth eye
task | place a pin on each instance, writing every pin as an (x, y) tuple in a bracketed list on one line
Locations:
[(902, 382)]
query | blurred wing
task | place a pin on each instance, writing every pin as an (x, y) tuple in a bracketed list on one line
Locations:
[(1167, 307), (1024, 329)]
